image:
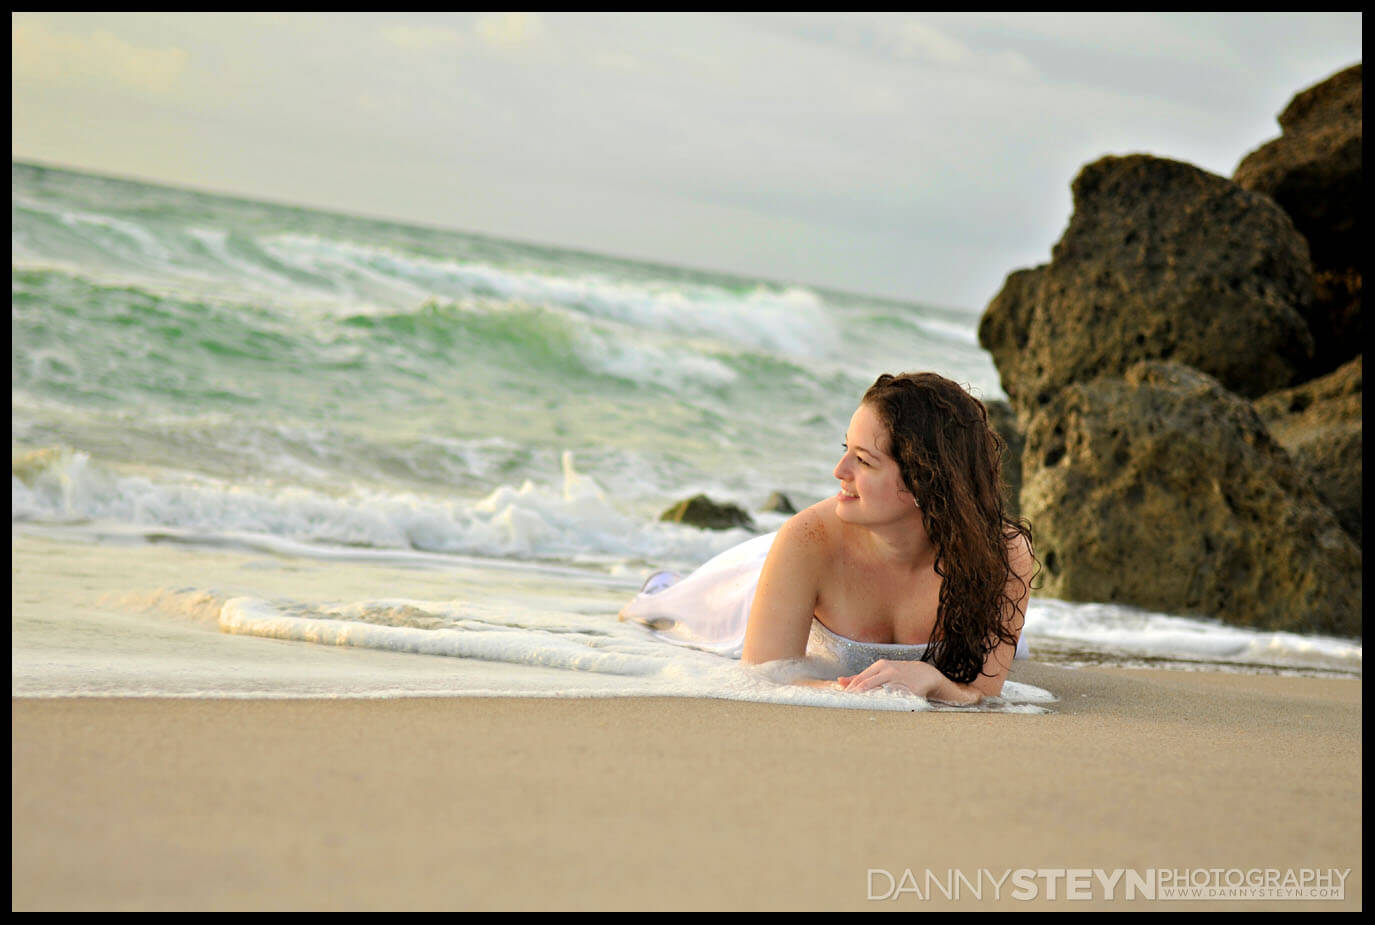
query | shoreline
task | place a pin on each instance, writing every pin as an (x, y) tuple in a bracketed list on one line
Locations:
[(669, 803)]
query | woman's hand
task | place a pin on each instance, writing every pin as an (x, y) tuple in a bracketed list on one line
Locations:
[(920, 678)]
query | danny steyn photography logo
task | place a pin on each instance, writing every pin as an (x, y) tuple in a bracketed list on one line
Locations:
[(1153, 883)]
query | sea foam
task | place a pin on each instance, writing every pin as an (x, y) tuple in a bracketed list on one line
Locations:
[(643, 665), (1124, 634), (570, 521)]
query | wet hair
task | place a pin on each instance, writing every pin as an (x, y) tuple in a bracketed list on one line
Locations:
[(951, 461)]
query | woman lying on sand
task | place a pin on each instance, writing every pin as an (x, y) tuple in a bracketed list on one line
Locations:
[(912, 576)]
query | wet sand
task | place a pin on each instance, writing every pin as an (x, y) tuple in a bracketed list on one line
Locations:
[(666, 803)]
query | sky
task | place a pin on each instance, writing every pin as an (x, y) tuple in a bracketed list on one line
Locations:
[(920, 156)]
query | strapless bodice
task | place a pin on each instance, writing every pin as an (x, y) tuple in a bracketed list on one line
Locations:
[(853, 656)]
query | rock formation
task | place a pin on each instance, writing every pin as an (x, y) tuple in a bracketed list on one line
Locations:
[(1165, 490), (1161, 260), (778, 503), (1172, 298), (701, 511), (1313, 170), (1319, 423), (1003, 420)]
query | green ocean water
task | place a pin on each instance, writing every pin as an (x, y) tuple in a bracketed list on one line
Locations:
[(204, 341)]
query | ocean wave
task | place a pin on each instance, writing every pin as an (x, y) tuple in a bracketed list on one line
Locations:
[(540, 643), (341, 277), (322, 264), (449, 630), (573, 521), (119, 235), (546, 340), (945, 330), (139, 335), (562, 313), (791, 320), (240, 254), (1119, 633), (590, 646)]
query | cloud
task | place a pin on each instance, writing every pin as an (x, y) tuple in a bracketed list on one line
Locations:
[(925, 43), (45, 57), (922, 42), (616, 61), (509, 30), (917, 40), (422, 38)]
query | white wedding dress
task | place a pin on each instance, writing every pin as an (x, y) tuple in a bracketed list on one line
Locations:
[(709, 609)]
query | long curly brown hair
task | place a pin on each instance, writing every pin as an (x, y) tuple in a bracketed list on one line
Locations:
[(951, 461)]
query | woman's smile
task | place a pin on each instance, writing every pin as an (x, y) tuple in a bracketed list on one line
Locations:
[(871, 486)]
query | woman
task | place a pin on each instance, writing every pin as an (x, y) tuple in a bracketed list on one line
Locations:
[(912, 575)]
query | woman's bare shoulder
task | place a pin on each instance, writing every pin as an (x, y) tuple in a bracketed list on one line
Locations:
[(811, 531), (1019, 550)]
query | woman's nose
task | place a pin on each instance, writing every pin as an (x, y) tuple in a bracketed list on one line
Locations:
[(842, 468)]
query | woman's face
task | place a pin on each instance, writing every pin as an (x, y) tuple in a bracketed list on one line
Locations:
[(871, 487)]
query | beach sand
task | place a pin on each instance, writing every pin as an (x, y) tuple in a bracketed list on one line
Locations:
[(663, 803)]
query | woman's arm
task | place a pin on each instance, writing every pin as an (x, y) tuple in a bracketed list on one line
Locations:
[(925, 680), (781, 616)]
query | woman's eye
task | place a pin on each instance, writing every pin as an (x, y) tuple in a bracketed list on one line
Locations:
[(846, 448)]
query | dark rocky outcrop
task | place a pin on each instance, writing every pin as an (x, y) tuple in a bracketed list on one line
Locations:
[(1335, 318), (1172, 298), (1006, 325), (1319, 423), (1161, 260), (778, 503), (701, 511), (1165, 490), (1313, 170), (1003, 420)]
